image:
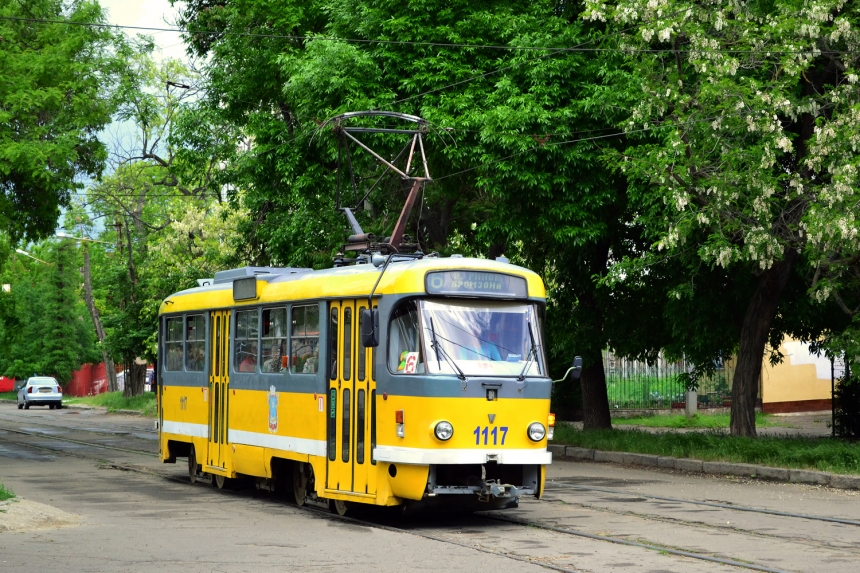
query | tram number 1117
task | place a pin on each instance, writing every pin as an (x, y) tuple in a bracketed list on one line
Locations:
[(486, 432)]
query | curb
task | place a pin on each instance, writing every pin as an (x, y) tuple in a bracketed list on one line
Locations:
[(840, 481)]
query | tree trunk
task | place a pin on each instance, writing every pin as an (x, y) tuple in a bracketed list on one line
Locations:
[(135, 376), (754, 333), (595, 403), (97, 322)]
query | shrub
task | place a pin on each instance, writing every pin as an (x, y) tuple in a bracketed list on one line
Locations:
[(846, 397)]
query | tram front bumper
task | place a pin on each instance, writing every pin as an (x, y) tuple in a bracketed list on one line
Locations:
[(486, 491)]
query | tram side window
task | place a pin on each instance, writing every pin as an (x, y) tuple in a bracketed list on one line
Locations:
[(404, 351), (195, 343), (245, 341), (305, 339), (173, 344), (274, 340)]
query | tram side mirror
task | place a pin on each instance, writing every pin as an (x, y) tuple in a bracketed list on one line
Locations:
[(370, 328), (576, 368), (573, 372)]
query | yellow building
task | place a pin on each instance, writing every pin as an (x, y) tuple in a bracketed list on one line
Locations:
[(800, 383)]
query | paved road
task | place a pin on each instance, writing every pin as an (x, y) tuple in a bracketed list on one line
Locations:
[(136, 514)]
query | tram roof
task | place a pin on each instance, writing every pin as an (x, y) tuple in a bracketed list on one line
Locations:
[(277, 284)]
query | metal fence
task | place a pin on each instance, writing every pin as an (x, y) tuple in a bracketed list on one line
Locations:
[(636, 385)]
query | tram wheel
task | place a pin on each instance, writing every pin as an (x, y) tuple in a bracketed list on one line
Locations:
[(193, 466), (300, 483), (338, 506), (222, 482)]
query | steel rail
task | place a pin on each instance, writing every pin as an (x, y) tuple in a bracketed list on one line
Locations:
[(659, 548), (713, 504), (514, 521), (126, 430), (147, 471), (79, 442)]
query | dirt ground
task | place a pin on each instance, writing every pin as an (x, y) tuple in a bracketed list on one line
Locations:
[(22, 515)]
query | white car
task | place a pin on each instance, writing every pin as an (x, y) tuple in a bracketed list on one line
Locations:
[(40, 391)]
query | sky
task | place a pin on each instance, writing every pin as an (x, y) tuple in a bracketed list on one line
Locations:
[(148, 14), (151, 14)]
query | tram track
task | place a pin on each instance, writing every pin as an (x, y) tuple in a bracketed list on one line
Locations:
[(125, 430), (70, 440), (677, 551), (627, 542), (729, 506)]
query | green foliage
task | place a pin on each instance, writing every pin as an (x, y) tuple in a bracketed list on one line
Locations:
[(805, 453), (510, 174), (44, 326), (54, 98), (166, 219), (5, 493), (144, 403), (741, 161), (696, 421), (846, 397)]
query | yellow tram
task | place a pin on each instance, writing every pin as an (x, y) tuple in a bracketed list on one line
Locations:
[(402, 380)]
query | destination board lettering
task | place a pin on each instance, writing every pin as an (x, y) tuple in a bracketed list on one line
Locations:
[(476, 283)]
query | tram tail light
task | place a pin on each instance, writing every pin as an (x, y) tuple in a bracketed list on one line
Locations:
[(550, 426), (398, 419)]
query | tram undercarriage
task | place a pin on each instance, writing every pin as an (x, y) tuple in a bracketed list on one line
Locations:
[(477, 487)]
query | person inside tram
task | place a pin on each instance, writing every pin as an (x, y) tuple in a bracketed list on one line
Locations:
[(474, 347), (249, 362), (195, 359), (274, 362), (174, 357)]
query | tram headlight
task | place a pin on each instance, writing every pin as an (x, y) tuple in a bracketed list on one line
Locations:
[(444, 431), (537, 432)]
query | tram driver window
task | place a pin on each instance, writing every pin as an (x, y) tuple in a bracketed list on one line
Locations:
[(173, 344), (305, 340), (195, 343), (404, 349), (274, 340), (245, 341)]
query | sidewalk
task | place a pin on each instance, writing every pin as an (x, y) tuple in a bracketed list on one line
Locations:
[(806, 424)]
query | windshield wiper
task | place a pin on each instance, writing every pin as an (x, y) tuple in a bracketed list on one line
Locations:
[(532, 352), (438, 347)]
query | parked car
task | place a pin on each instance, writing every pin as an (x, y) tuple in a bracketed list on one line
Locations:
[(40, 391)]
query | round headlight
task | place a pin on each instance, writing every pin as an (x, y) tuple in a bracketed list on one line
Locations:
[(536, 432), (444, 431)]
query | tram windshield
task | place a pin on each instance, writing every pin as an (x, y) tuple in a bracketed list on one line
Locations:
[(470, 338)]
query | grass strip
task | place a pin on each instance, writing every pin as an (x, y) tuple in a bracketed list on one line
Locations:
[(697, 421), (5, 493), (143, 403), (824, 454), (9, 395)]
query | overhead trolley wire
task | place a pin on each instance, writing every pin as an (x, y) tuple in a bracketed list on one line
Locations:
[(672, 50)]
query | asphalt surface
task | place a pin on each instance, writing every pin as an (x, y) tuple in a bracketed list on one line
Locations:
[(135, 514)]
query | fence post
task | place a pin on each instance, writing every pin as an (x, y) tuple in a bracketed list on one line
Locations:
[(692, 403)]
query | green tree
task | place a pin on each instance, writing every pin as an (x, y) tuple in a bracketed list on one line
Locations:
[(515, 148), (749, 166), (44, 329), (54, 99)]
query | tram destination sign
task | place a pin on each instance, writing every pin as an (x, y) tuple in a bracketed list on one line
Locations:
[(475, 283)]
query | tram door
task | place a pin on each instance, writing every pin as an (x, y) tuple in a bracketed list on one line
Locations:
[(351, 408), (219, 353)]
